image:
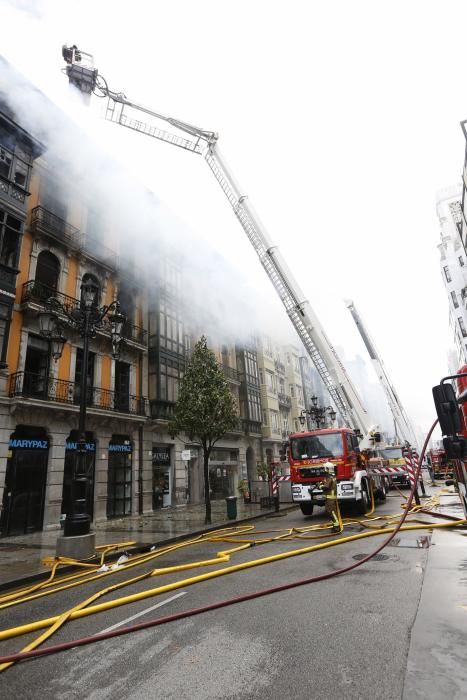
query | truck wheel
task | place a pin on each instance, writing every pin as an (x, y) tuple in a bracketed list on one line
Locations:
[(363, 505), (306, 508)]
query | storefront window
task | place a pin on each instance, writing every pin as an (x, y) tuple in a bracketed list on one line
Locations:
[(119, 478), (161, 495)]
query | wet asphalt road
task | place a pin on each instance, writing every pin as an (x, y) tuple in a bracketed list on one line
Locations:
[(343, 638)]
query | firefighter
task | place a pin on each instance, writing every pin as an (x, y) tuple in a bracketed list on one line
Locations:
[(329, 488)]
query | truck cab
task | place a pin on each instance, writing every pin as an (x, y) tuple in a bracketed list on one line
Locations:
[(309, 453)]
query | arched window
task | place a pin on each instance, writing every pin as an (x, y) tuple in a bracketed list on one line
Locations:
[(88, 278), (48, 270)]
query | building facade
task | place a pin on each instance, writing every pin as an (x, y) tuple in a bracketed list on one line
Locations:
[(453, 264), (55, 245)]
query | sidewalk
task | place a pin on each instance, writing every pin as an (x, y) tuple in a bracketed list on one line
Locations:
[(21, 556)]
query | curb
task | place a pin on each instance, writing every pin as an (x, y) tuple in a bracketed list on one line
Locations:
[(141, 548)]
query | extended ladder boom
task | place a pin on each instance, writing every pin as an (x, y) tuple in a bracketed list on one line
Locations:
[(201, 142), (401, 419)]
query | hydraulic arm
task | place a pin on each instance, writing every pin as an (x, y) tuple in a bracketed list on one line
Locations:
[(84, 76), (401, 420)]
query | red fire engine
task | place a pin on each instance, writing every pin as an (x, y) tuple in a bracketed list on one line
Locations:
[(309, 452)]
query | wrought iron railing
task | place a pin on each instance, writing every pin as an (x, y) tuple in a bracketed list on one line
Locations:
[(38, 292), (44, 220), (35, 386), (8, 277), (9, 188), (284, 399), (162, 410), (251, 426), (231, 373)]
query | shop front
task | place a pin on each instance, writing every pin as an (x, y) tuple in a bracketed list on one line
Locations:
[(25, 481), (161, 476), (119, 481), (223, 470), (69, 471)]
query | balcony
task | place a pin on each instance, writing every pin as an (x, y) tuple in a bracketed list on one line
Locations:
[(279, 367), (34, 386), (12, 191), (8, 278), (251, 427), (46, 222), (231, 374), (284, 400), (162, 410), (35, 292)]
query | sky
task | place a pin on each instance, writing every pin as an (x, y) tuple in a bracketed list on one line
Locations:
[(339, 119)]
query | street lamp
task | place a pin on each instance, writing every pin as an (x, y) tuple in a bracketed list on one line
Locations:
[(318, 413), (86, 319)]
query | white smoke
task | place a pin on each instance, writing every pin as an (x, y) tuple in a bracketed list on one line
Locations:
[(219, 298)]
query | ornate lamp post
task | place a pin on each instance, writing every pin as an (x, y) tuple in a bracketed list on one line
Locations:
[(86, 319), (318, 413)]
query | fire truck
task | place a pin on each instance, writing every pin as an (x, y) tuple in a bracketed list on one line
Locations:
[(440, 464), (394, 456), (120, 110), (309, 454)]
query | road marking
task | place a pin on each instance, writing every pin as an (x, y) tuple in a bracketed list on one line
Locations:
[(143, 612)]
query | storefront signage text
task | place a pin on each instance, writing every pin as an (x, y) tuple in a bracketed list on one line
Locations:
[(90, 446), (161, 456), (30, 444), (120, 448)]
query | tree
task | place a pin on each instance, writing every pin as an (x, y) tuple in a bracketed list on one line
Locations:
[(205, 409)]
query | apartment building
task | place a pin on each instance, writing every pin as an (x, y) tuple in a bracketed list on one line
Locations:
[(54, 241), (294, 382), (449, 208)]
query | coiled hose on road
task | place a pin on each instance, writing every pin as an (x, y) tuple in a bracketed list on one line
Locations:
[(82, 608)]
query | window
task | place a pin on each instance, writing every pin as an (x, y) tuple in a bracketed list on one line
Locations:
[(462, 327), (271, 382), (169, 379), (20, 173), (461, 261), (274, 422), (254, 406), (171, 329), (90, 279), (300, 394), (5, 315), (285, 422), (261, 376), (119, 478), (296, 364), (5, 163), (265, 418), (89, 378), (447, 274), (52, 197), (251, 367), (292, 391), (10, 234), (47, 272), (454, 300)]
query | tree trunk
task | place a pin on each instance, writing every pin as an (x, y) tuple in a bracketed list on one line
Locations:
[(207, 495)]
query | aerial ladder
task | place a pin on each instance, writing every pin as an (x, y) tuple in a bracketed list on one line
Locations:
[(401, 420), (85, 77)]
